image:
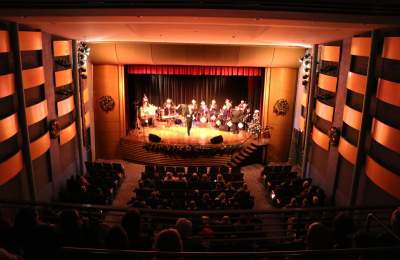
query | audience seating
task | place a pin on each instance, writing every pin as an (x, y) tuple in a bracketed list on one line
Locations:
[(98, 186), (194, 188)]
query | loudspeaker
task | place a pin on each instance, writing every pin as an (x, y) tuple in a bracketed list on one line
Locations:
[(154, 138), (217, 139)]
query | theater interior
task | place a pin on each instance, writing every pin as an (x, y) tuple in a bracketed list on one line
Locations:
[(192, 129)]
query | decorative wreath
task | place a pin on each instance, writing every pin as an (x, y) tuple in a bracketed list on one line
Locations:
[(281, 107), (107, 103), (55, 128)]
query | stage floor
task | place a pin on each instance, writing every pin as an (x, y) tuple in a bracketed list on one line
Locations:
[(178, 135)]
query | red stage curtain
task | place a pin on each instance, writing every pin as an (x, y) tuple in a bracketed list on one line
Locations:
[(195, 70)]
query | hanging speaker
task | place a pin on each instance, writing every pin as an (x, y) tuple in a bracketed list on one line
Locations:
[(217, 139), (154, 138)]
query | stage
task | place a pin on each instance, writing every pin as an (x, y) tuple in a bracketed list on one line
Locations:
[(176, 148), (177, 135)]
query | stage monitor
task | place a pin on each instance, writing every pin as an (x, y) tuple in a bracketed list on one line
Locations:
[(154, 138), (217, 139)]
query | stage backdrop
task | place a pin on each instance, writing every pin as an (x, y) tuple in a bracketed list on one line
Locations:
[(182, 84)]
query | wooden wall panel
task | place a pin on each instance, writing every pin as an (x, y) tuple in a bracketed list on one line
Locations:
[(63, 77), (304, 99), (4, 42), (40, 146), (361, 46), (389, 92), (352, 117), (347, 150), (36, 112), (324, 111), (330, 53), (382, 177), (11, 167), (65, 106), (320, 138), (302, 123), (85, 95), (68, 133), (62, 48), (87, 120), (282, 84), (391, 48), (8, 127), (386, 135), (356, 82), (32, 77), (327, 82), (7, 85), (30, 41)]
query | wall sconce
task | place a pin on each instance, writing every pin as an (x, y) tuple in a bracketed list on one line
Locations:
[(334, 136)]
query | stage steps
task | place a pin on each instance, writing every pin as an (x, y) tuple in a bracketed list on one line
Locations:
[(245, 156), (134, 151)]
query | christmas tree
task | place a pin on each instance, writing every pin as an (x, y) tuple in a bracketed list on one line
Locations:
[(255, 125)]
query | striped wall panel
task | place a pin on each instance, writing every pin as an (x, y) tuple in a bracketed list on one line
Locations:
[(62, 48), (356, 82), (391, 48), (360, 46), (320, 138), (67, 134), (389, 92), (32, 77), (347, 150), (7, 85), (63, 77), (65, 106), (11, 167), (30, 41), (386, 135), (352, 117), (40, 146), (36, 113), (4, 42), (324, 111), (330, 53), (327, 82), (8, 127)]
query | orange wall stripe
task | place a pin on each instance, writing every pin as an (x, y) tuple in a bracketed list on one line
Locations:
[(85, 95), (320, 138), (327, 82), (36, 112), (7, 85), (382, 177), (32, 77), (302, 123), (304, 99), (388, 92), (63, 77), (356, 82), (87, 119), (324, 111), (386, 135), (352, 117), (8, 127), (62, 48), (391, 48), (30, 41), (65, 106), (330, 53), (4, 42), (11, 167), (67, 134), (347, 150), (40, 146), (361, 46)]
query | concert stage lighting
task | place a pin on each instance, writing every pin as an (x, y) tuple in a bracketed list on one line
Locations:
[(203, 120), (218, 123), (240, 125), (213, 117), (229, 124)]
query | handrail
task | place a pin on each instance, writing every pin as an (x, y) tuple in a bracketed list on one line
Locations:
[(371, 216), (335, 252), (21, 203)]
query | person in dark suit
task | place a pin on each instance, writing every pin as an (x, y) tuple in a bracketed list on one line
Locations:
[(189, 116)]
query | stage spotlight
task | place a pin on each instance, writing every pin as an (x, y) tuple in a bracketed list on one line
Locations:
[(146, 121), (213, 117), (304, 82), (308, 55), (301, 60), (240, 125), (305, 76), (272, 195), (307, 69), (229, 124), (218, 123), (203, 120)]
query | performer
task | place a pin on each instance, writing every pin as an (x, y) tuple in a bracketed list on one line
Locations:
[(242, 105), (169, 107), (213, 108), (147, 112), (190, 115), (203, 111)]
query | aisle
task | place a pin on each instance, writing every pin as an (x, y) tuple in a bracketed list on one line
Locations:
[(252, 176)]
